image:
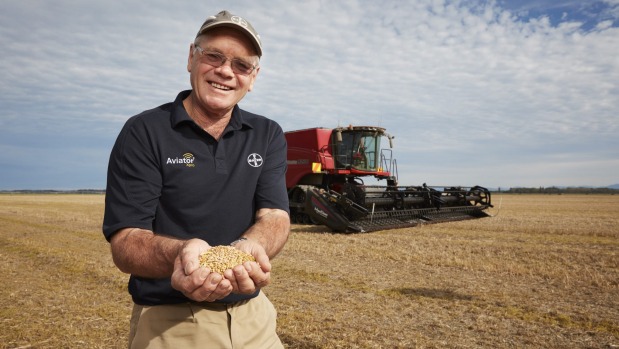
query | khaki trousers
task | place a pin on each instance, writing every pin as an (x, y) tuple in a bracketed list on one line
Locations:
[(244, 325)]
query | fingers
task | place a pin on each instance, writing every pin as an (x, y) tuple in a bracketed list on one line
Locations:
[(250, 276), (190, 254), (214, 287), (202, 285), (257, 274), (255, 249), (263, 262), (247, 278)]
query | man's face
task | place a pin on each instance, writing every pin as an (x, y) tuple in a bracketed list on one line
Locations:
[(218, 89)]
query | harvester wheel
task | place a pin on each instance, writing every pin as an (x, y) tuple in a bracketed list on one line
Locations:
[(298, 195), (299, 217), (482, 193), (306, 219)]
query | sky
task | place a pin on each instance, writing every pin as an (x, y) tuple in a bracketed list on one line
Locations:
[(493, 93)]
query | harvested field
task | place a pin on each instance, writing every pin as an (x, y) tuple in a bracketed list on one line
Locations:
[(544, 273)]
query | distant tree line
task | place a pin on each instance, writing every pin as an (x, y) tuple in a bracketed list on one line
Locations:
[(516, 190), (559, 191), (50, 191)]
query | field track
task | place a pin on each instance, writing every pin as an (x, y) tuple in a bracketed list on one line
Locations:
[(543, 273)]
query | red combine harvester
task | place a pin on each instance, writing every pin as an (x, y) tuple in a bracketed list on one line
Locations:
[(325, 184)]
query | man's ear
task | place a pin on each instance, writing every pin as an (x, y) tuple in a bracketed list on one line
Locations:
[(253, 79), (190, 57)]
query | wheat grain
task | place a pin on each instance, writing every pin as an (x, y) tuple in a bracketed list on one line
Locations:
[(221, 258)]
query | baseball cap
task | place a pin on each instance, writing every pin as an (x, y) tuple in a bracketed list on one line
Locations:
[(227, 19)]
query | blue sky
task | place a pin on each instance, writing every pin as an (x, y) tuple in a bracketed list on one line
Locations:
[(492, 93)]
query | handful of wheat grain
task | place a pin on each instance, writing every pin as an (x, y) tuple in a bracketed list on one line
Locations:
[(220, 258)]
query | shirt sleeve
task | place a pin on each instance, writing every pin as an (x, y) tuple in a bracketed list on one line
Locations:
[(271, 189), (133, 180)]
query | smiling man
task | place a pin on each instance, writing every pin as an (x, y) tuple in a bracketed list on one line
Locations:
[(192, 174)]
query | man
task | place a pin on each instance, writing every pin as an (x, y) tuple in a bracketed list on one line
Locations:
[(195, 173)]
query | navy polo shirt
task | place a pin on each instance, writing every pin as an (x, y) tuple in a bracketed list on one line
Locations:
[(168, 175)]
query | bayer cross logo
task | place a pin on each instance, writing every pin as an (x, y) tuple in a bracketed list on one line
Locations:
[(254, 160), (240, 21)]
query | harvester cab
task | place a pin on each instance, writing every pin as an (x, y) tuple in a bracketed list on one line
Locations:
[(325, 184), (359, 150)]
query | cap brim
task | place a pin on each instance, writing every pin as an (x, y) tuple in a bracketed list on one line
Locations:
[(229, 24)]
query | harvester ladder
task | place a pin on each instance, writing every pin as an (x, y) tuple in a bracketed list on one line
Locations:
[(389, 164)]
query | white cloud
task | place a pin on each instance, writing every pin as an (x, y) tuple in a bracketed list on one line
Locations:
[(444, 77)]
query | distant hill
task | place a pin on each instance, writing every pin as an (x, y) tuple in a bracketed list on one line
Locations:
[(614, 186)]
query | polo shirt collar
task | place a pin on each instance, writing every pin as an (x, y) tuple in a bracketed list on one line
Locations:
[(180, 115)]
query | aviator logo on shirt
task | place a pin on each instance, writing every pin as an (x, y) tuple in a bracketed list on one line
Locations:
[(188, 160)]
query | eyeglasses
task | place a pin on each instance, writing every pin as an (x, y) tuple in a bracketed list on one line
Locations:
[(217, 59)]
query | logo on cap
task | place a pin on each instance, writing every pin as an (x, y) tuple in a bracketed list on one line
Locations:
[(240, 21)]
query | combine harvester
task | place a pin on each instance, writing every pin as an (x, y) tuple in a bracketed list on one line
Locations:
[(325, 184)]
